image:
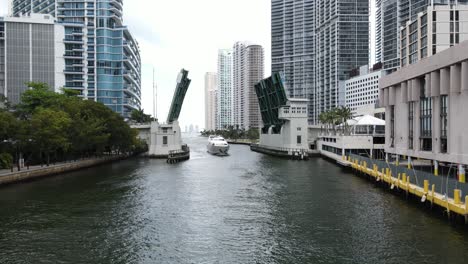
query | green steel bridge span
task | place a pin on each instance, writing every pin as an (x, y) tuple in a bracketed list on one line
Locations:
[(183, 83), (271, 96)]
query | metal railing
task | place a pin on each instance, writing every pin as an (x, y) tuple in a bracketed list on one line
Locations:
[(444, 184)]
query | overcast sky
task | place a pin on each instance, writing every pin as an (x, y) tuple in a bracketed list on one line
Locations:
[(187, 34)]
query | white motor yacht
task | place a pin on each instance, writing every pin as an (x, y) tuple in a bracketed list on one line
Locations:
[(217, 145)]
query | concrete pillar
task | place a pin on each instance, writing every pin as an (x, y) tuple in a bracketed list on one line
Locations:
[(397, 162), (404, 92), (427, 89), (415, 89), (386, 97), (444, 81), (436, 124), (391, 95), (464, 76), (409, 162), (435, 83), (455, 78), (386, 157), (436, 168), (409, 88), (381, 97)]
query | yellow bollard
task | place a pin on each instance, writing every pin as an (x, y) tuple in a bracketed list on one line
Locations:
[(462, 178), (466, 204), (456, 196), (426, 186), (403, 177)]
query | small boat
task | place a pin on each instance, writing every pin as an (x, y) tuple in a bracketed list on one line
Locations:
[(217, 145)]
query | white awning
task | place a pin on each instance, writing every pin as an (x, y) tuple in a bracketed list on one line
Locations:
[(366, 120)]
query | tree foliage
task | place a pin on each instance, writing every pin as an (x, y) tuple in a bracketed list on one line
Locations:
[(139, 116), (234, 133), (62, 125), (336, 116)]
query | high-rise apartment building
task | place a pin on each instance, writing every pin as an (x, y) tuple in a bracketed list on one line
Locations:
[(102, 58), (248, 70), (293, 44), (31, 50), (211, 98), (378, 31), (342, 44), (225, 115), (316, 43), (438, 29), (395, 14)]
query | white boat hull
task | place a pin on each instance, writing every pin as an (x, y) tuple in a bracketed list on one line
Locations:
[(218, 150)]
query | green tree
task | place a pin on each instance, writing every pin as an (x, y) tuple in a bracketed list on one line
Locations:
[(39, 95), (139, 116), (49, 131), (253, 134), (8, 125)]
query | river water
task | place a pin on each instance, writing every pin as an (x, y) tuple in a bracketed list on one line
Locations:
[(243, 208)]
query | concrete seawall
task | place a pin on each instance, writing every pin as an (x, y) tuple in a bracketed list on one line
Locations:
[(241, 142), (39, 172)]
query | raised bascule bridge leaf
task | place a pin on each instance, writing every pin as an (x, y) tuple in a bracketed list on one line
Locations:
[(183, 83), (271, 96)]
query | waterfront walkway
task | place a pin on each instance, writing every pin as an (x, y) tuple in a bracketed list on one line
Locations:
[(7, 176)]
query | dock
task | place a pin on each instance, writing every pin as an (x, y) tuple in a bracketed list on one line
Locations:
[(179, 155), (422, 185), (296, 154)]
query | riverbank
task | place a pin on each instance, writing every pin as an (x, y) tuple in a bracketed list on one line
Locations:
[(36, 172), (247, 142)]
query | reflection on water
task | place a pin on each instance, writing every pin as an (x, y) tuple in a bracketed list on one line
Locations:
[(242, 208)]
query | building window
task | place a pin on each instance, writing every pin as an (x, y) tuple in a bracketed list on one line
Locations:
[(426, 124), (164, 140), (164, 130), (443, 123), (299, 139), (410, 124), (392, 126)]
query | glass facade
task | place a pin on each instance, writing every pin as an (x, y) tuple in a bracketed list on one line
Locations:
[(425, 118), (410, 125), (315, 44), (443, 123), (102, 59), (225, 90)]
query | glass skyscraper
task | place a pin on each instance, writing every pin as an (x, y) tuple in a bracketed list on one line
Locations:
[(316, 43), (102, 58), (225, 115)]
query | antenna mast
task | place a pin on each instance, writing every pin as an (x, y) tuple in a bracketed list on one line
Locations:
[(155, 97)]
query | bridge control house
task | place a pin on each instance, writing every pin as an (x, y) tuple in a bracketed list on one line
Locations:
[(426, 105)]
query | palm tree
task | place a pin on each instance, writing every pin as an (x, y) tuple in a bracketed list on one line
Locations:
[(344, 114), (323, 119)]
